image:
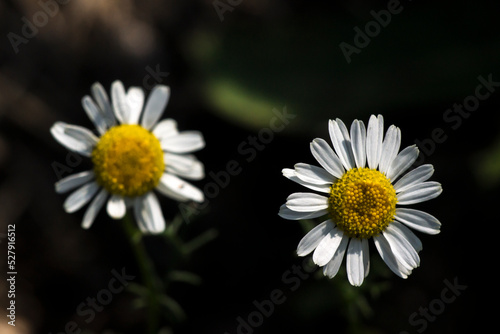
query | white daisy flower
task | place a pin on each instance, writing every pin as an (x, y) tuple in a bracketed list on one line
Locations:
[(363, 194), (131, 156)]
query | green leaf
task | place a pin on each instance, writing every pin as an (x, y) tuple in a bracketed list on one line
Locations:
[(487, 166), (200, 241), (173, 307), (184, 276)]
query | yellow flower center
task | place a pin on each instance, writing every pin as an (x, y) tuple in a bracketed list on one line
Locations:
[(128, 161), (362, 203)]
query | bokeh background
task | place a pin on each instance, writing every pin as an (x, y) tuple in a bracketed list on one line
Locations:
[(227, 73)]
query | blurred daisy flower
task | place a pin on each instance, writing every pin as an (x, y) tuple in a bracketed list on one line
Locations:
[(364, 187), (131, 156)]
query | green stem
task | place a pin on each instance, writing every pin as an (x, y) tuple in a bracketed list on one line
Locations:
[(147, 272)]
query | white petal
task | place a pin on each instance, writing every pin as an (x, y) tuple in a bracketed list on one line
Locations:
[(420, 192), (148, 214), (313, 174), (332, 267), (180, 161), (374, 139), (312, 239), (73, 181), (165, 128), (120, 104), (418, 220), (184, 142), (157, 101), (418, 175), (57, 131), (327, 247), (327, 157), (286, 213), (173, 194), (74, 138), (95, 114), (80, 197), (139, 213), (100, 96), (402, 162), (366, 256), (385, 251), (406, 233), (135, 100), (306, 202), (94, 208), (356, 263), (358, 141), (195, 172), (116, 207), (390, 148), (341, 143), (184, 165), (291, 174), (401, 248), (171, 183), (82, 134)]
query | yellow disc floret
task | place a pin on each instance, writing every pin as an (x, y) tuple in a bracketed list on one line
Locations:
[(128, 161), (362, 203)]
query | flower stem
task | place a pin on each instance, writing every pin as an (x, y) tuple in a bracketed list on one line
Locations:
[(147, 270)]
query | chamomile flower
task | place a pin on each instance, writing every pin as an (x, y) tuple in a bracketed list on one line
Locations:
[(365, 196), (131, 155)]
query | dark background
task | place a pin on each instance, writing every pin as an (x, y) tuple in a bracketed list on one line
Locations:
[(226, 77)]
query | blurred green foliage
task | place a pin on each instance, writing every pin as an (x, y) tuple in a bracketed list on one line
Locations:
[(248, 72), (487, 166)]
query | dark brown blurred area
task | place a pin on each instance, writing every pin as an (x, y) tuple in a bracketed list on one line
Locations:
[(282, 53), (45, 69)]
